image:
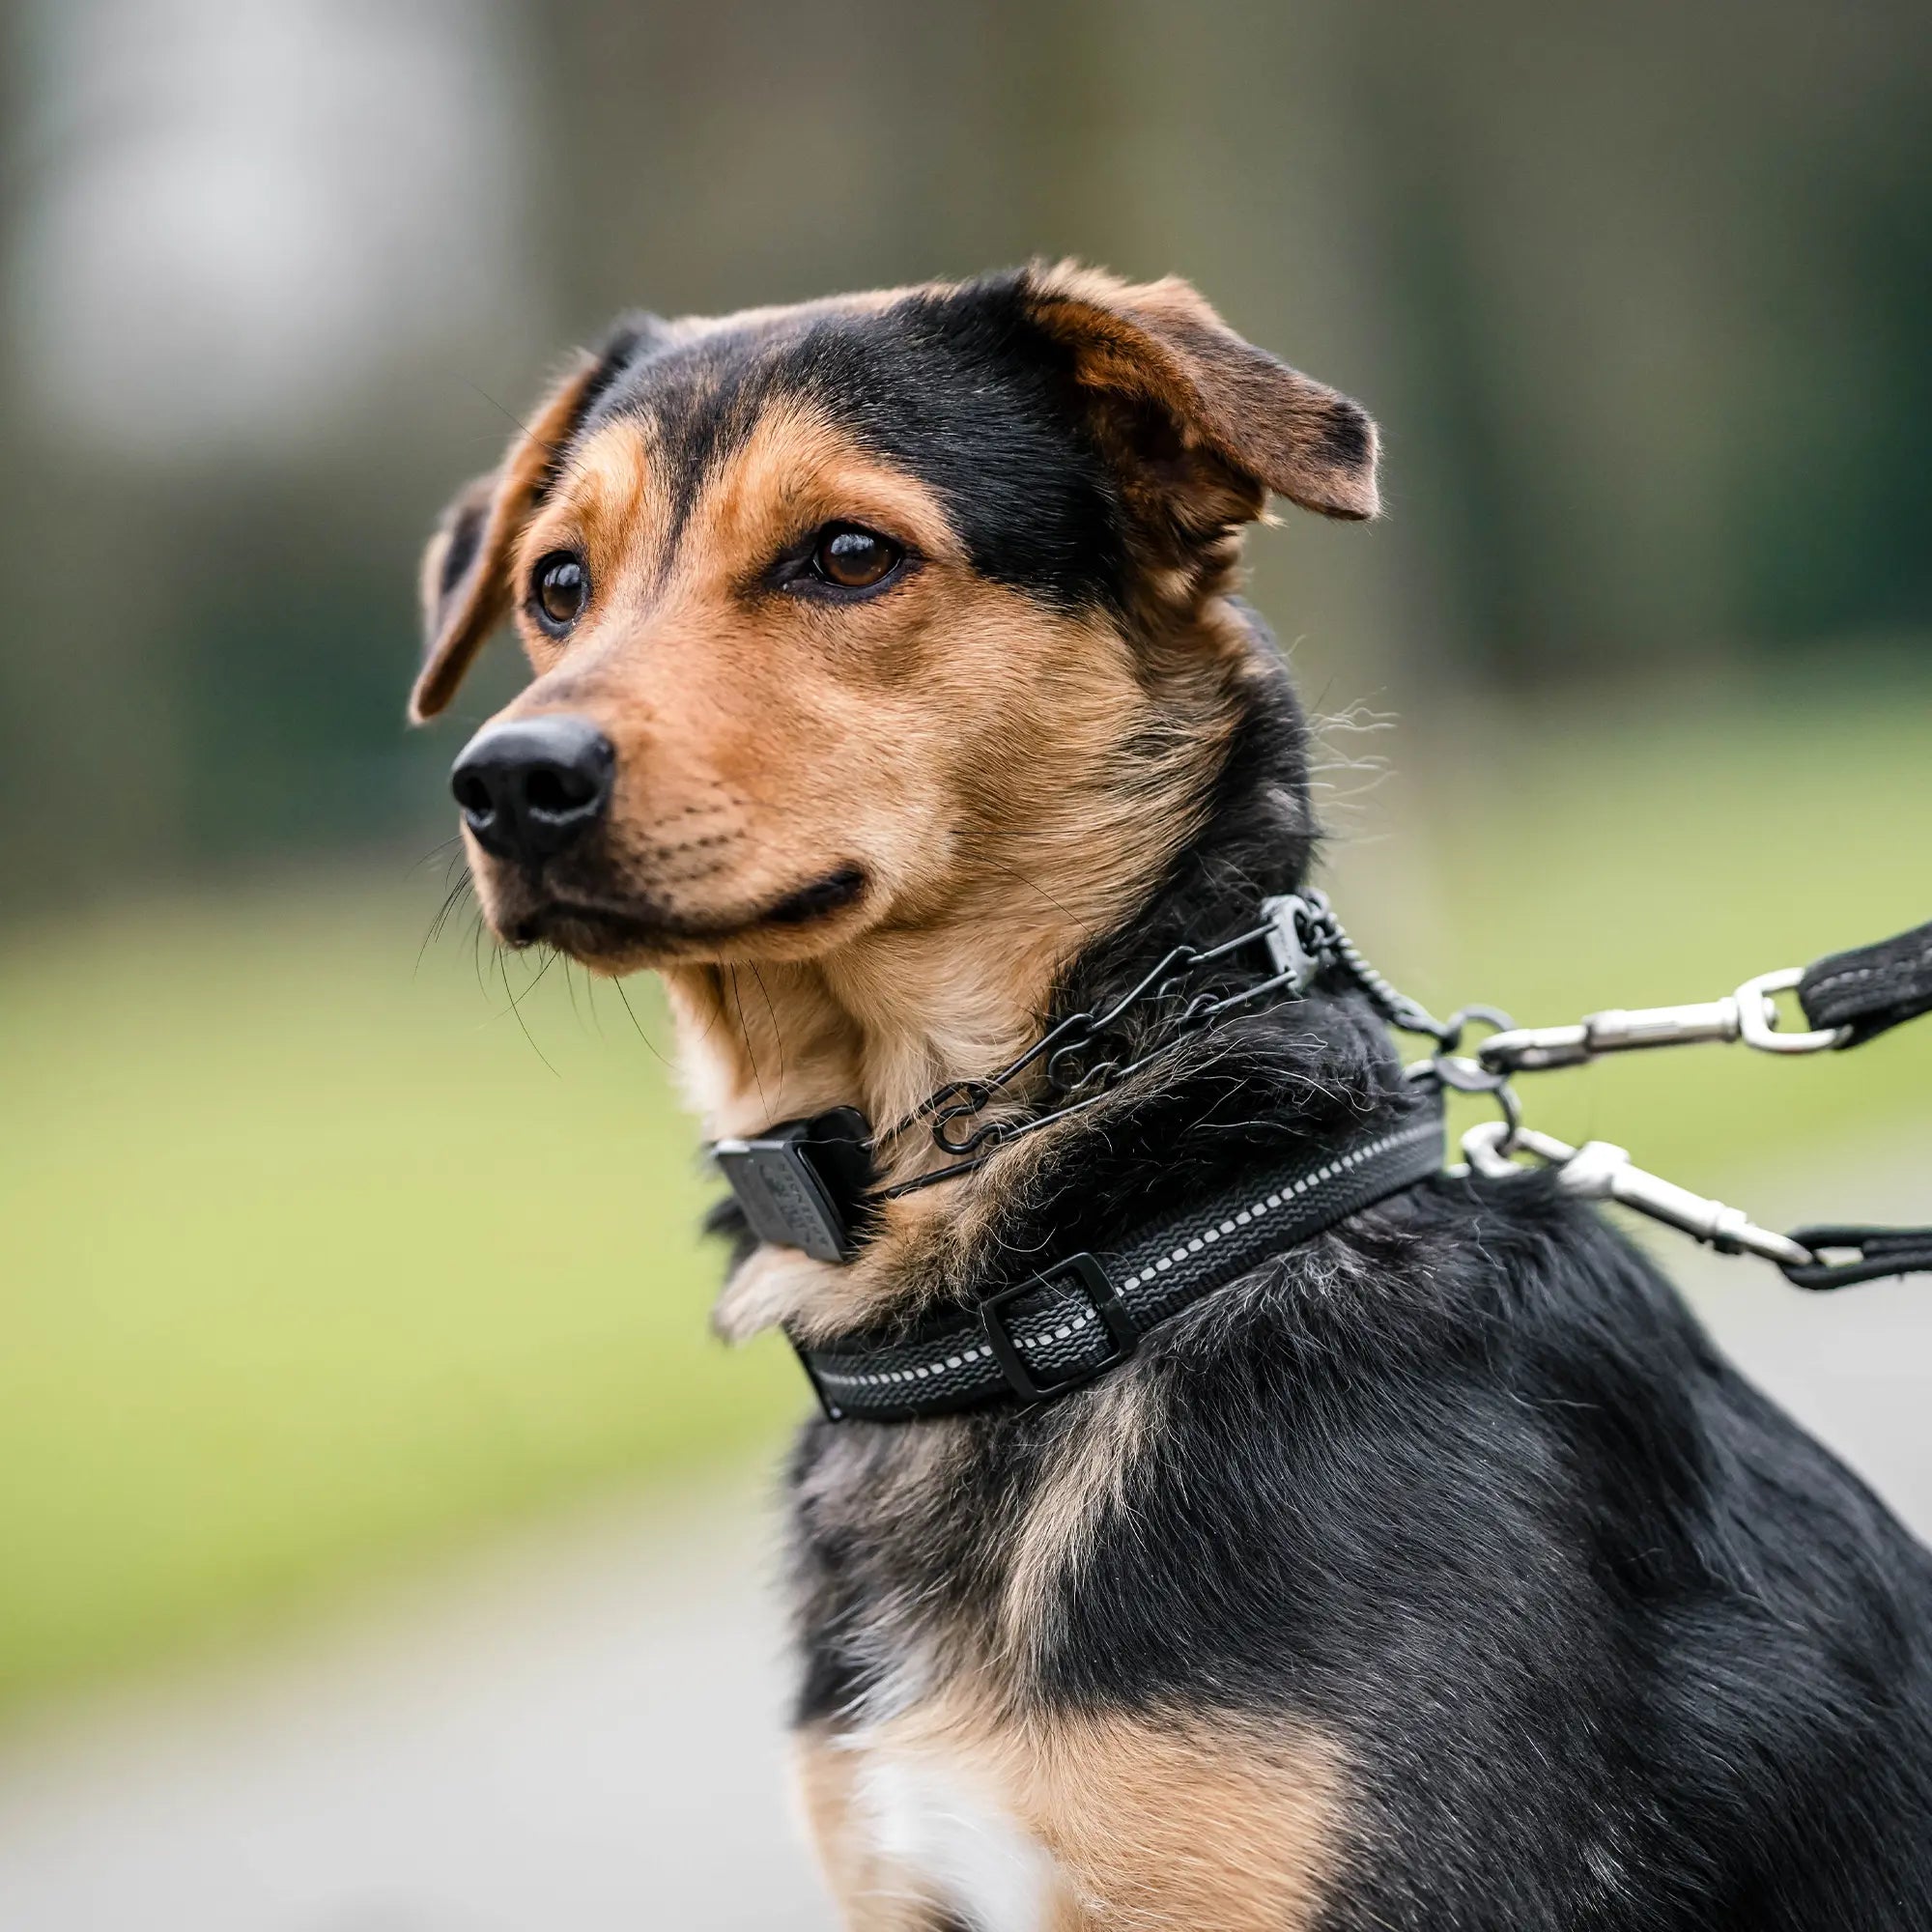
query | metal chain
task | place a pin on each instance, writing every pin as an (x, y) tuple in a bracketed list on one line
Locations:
[(963, 1101), (1397, 1009), (1303, 939)]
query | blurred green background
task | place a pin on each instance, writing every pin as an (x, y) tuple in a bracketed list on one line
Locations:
[(326, 1236)]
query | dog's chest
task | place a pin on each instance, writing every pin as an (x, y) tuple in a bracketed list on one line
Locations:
[(930, 1818)]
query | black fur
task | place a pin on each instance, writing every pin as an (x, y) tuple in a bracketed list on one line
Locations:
[(959, 388), (1345, 437), (1606, 1641), (629, 338)]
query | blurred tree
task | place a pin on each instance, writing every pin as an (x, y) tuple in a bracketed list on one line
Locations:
[(1642, 296)]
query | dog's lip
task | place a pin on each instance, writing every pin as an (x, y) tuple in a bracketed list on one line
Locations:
[(630, 923), (833, 892)]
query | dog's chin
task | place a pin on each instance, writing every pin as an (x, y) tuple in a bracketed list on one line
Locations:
[(617, 934)]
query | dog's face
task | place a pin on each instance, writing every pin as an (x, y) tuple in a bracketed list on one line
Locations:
[(827, 606)]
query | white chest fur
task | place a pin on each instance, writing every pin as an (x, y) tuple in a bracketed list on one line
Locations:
[(952, 1841)]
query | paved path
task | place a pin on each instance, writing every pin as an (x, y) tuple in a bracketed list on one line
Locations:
[(1855, 1367), (580, 1733)]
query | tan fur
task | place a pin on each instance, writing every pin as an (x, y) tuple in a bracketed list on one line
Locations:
[(1161, 342), (460, 623), (959, 740), (1185, 1822), (1155, 1821), (1083, 1482)]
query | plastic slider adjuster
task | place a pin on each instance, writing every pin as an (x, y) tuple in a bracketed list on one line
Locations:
[(1091, 1278)]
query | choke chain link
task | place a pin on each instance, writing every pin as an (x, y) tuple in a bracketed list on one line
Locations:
[(1289, 932), (1302, 939)]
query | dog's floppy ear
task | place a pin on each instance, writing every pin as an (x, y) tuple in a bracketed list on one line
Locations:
[(1205, 415), (466, 581)]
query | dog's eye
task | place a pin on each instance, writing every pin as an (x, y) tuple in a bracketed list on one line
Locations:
[(854, 559), (559, 589)]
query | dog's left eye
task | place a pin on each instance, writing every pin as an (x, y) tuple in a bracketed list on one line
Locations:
[(853, 558)]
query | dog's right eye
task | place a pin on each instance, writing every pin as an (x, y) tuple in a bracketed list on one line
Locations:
[(559, 589), (848, 557)]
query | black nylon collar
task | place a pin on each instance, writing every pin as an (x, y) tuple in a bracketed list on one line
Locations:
[(1063, 1324)]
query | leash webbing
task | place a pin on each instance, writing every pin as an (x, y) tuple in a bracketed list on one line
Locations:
[(1058, 1326), (1870, 988)]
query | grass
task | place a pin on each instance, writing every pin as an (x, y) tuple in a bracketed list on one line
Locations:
[(1665, 861), (311, 1257)]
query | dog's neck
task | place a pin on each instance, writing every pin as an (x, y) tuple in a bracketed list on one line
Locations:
[(883, 1026), (886, 1019)]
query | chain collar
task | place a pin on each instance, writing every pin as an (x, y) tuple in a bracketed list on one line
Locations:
[(811, 1184)]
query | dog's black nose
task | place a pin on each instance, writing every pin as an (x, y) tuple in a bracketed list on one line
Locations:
[(529, 789)]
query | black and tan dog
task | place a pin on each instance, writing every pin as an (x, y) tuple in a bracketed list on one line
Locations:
[(890, 698)]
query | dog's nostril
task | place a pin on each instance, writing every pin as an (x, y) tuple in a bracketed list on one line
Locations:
[(473, 795), (554, 789)]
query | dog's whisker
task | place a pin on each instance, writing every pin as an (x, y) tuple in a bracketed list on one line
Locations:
[(618, 985), (509, 415), (441, 919), (516, 1003), (750, 1045), (770, 1014)]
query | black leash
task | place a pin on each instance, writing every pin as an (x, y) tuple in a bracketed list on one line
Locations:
[(1846, 998), (1866, 991), (1871, 989)]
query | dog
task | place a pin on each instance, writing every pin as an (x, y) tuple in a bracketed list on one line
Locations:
[(893, 699)]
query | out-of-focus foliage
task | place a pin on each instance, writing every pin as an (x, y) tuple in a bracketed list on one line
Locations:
[(1641, 294)]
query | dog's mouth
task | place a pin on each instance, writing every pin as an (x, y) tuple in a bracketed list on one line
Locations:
[(596, 931)]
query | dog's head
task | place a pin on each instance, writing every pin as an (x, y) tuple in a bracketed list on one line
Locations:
[(833, 609)]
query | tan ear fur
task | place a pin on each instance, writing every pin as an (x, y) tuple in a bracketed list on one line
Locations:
[(1160, 345), (466, 584)]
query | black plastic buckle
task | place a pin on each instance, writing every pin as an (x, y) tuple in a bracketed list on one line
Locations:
[(1290, 920), (1092, 1279), (801, 1183)]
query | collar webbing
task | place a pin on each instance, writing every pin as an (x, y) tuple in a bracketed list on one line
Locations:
[(1061, 1325)]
